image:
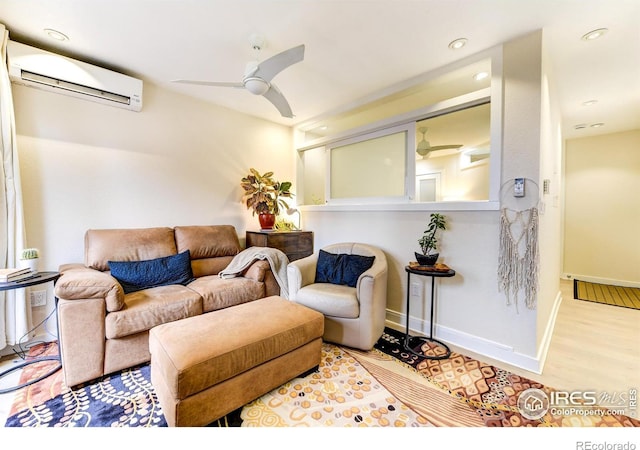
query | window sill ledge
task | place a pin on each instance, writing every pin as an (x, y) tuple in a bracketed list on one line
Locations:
[(481, 205)]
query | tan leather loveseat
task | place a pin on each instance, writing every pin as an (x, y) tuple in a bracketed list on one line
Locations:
[(103, 330)]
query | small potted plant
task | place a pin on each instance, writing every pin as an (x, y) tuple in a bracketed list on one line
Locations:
[(265, 196), (429, 242), (29, 258)]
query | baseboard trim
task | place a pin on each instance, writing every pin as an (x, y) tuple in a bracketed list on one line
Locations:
[(548, 333), (599, 280), (476, 344), (34, 338)]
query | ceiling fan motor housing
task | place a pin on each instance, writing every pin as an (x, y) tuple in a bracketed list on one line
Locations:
[(256, 85)]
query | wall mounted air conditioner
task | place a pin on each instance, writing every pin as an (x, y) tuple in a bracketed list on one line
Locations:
[(37, 68)]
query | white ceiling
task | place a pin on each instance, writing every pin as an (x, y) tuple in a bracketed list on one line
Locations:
[(354, 48)]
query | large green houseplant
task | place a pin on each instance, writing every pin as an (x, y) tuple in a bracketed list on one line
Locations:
[(429, 241), (265, 196)]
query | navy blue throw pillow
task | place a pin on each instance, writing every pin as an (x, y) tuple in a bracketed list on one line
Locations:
[(354, 266), (341, 268), (327, 270), (137, 275)]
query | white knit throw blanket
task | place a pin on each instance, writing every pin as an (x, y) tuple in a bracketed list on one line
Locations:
[(518, 256), (276, 259)]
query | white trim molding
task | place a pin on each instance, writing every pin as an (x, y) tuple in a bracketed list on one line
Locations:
[(479, 345), (589, 279)]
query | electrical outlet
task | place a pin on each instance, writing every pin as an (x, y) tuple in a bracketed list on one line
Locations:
[(38, 298), (415, 289)]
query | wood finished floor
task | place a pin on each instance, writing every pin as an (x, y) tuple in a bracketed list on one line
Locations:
[(593, 347)]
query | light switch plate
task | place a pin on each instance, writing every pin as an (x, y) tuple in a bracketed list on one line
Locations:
[(518, 187)]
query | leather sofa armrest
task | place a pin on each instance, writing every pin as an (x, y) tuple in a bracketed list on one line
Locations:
[(257, 270), (78, 282), (260, 270)]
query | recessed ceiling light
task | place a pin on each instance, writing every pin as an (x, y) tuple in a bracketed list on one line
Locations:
[(597, 125), (595, 34), (480, 76), (580, 126), (589, 102), (55, 34), (457, 44)]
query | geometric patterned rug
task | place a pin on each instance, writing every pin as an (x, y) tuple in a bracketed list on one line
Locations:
[(493, 393), (627, 297), (386, 386)]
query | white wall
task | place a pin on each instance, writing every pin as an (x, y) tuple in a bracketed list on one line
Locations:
[(177, 162), (470, 310), (602, 215), (550, 225), (180, 160)]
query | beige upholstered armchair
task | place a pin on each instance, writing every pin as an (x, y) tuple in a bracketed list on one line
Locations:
[(354, 315)]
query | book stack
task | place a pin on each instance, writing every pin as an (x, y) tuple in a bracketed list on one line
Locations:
[(10, 274)]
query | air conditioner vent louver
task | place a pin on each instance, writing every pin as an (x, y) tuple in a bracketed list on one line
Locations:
[(74, 87), (37, 68)]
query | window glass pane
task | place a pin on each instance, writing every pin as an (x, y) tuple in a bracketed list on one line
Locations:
[(370, 168), (313, 175), (456, 146), (452, 84)]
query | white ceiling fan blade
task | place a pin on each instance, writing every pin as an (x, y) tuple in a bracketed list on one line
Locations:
[(269, 68), (443, 147), (275, 96), (425, 151), (210, 83)]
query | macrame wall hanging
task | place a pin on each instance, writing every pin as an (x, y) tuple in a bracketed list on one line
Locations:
[(518, 253)]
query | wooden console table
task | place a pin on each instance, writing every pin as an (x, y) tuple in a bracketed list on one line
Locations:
[(294, 244)]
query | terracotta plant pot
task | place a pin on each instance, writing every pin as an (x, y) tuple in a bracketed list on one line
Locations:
[(267, 221), (426, 260)]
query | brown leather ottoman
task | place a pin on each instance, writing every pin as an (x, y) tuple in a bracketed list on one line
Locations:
[(206, 366)]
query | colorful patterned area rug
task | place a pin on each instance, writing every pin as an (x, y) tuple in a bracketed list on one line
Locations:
[(490, 392), (125, 399), (340, 393), (386, 386)]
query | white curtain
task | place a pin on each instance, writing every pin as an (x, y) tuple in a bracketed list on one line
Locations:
[(15, 315)]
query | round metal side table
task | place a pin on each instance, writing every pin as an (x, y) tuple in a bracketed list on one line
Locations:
[(408, 340), (39, 278)]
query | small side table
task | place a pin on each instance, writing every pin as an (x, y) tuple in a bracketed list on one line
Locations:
[(40, 278), (425, 271)]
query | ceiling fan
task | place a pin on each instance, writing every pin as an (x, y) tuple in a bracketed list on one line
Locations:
[(424, 148), (258, 75)]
